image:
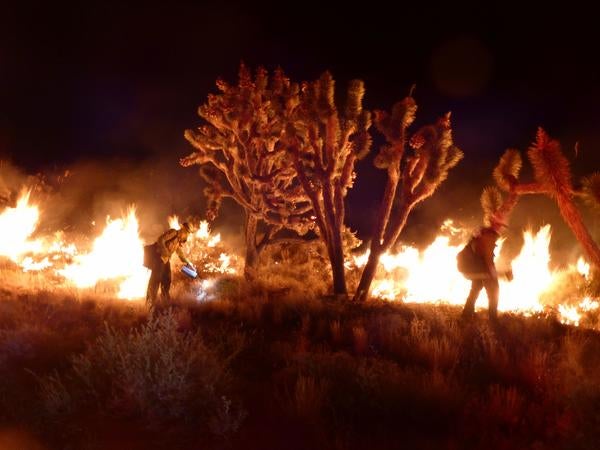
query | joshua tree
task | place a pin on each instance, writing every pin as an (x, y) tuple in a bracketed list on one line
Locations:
[(241, 155), (552, 177), (324, 145), (496, 206), (412, 177)]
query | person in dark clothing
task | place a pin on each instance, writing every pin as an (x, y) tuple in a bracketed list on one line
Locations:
[(159, 257), (476, 263)]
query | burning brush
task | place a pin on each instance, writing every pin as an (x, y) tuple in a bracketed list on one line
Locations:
[(116, 257)]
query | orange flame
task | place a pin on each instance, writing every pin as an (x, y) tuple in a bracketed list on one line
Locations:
[(409, 275), (431, 276), (116, 254), (16, 226)]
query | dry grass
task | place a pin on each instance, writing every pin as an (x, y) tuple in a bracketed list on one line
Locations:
[(273, 369)]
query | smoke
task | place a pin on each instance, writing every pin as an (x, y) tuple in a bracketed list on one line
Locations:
[(78, 198), (74, 198), (11, 182)]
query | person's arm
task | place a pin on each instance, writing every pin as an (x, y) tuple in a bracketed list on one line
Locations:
[(182, 256)]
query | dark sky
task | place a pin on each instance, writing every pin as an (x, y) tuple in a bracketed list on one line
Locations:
[(104, 80)]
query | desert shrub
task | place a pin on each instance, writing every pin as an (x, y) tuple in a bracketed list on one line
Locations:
[(578, 383), (227, 418), (155, 372), (296, 265), (335, 373), (368, 396), (56, 398), (305, 398), (579, 369)]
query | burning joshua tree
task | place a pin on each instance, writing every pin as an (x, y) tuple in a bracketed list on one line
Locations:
[(325, 144), (284, 154), (552, 177), (241, 155), (413, 176)]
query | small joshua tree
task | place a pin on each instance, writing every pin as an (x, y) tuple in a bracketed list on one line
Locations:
[(324, 145), (413, 176), (552, 177), (241, 155)]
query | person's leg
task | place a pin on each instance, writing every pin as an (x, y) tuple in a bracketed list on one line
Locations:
[(469, 309), (166, 282), (153, 283), (493, 290)]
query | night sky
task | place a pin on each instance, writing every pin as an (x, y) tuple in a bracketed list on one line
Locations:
[(109, 80)]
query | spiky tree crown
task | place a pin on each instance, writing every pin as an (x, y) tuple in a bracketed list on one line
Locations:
[(393, 126), (241, 153), (508, 169), (413, 174), (327, 142), (433, 157), (550, 166), (491, 202)]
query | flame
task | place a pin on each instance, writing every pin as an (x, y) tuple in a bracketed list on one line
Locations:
[(29, 265), (174, 222), (202, 234), (117, 253), (410, 275), (572, 314), (16, 226), (587, 304), (569, 314), (203, 231), (583, 267), (431, 276)]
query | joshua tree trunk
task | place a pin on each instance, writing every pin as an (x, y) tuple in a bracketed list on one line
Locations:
[(333, 221), (378, 248), (383, 218), (339, 277), (364, 286), (573, 218), (410, 178), (337, 261), (250, 228), (324, 144)]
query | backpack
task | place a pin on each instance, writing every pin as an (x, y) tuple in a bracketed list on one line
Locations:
[(150, 256), (467, 261)]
